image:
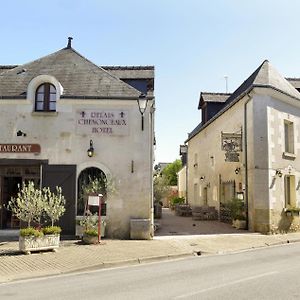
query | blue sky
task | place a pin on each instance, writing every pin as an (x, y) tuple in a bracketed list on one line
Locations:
[(191, 43)]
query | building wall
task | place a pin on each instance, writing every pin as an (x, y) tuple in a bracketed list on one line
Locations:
[(182, 182), (127, 158), (264, 137), (206, 160), (277, 113)]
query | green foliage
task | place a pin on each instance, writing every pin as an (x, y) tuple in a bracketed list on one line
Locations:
[(101, 185), (54, 205), (161, 188), (32, 203), (52, 230), (171, 170), (91, 232), (90, 221), (28, 206), (30, 231), (237, 209), (177, 200)]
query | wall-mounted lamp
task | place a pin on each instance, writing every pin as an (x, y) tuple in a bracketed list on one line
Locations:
[(278, 173), (90, 151), (142, 103), (237, 170), (21, 133), (202, 178)]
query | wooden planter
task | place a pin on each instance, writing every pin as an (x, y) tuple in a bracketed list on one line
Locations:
[(32, 243)]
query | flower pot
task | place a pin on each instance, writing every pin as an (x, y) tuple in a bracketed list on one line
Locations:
[(90, 239), (32, 243)]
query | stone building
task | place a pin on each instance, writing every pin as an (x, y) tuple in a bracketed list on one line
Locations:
[(65, 119), (247, 146)]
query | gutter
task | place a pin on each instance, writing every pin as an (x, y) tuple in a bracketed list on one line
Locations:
[(246, 160)]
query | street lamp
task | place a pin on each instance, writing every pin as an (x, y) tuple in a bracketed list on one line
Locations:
[(142, 103)]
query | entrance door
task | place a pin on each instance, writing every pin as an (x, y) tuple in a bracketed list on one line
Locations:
[(65, 177), (9, 188)]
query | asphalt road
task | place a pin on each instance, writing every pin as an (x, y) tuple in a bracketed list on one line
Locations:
[(269, 273)]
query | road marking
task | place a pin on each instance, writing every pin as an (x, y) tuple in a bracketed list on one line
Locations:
[(226, 284)]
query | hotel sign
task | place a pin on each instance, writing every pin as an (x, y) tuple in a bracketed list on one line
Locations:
[(20, 148), (102, 122)]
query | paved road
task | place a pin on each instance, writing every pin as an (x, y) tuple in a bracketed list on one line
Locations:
[(270, 273)]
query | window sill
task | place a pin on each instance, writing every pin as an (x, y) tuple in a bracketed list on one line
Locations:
[(44, 113), (288, 155)]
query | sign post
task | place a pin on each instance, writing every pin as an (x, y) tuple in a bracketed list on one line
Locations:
[(97, 201)]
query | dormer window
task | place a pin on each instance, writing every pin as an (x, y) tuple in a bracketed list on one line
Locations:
[(45, 97)]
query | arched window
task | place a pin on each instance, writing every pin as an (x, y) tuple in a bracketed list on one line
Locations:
[(45, 97)]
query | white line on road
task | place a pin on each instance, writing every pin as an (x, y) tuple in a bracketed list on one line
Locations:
[(226, 284)]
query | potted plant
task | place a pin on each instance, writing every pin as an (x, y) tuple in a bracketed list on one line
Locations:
[(90, 228), (30, 206), (94, 186), (238, 215)]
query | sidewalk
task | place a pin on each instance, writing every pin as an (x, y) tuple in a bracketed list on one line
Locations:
[(73, 256)]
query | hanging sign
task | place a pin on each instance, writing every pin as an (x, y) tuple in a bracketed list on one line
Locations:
[(231, 143)]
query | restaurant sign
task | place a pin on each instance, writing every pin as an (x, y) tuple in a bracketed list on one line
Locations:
[(20, 148), (102, 122)]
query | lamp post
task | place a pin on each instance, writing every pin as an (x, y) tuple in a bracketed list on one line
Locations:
[(142, 103)]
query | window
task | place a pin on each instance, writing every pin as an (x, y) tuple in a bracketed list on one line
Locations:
[(289, 191), (288, 137), (45, 98)]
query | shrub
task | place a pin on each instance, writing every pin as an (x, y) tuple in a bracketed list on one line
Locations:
[(52, 230), (91, 232), (30, 231), (177, 200), (237, 209)]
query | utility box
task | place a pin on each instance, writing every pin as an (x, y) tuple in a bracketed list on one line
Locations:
[(140, 229)]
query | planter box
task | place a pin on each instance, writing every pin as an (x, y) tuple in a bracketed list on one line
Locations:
[(140, 229), (32, 243)]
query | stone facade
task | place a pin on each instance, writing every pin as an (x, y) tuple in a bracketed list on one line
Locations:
[(93, 108), (264, 111)]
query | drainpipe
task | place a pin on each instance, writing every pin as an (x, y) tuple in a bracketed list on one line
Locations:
[(246, 160)]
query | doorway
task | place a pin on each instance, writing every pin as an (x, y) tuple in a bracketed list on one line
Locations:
[(85, 178), (9, 188)]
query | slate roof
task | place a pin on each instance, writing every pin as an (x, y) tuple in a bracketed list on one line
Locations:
[(295, 82), (79, 77), (265, 76), (4, 68), (213, 97)]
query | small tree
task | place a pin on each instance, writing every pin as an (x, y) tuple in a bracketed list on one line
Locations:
[(161, 189), (170, 171), (28, 206), (54, 204), (32, 203)]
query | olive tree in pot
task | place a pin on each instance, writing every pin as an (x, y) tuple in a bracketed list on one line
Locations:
[(31, 205)]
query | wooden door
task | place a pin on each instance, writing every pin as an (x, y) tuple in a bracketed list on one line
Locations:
[(65, 177)]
